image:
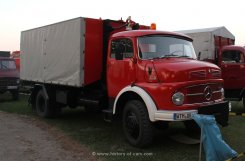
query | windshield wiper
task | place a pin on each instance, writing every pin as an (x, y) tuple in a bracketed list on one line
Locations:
[(170, 55), (165, 56), (186, 56), (159, 57), (178, 56)]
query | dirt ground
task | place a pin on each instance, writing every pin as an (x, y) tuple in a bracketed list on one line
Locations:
[(25, 138)]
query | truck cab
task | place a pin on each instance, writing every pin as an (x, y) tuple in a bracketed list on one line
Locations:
[(231, 60), (9, 77)]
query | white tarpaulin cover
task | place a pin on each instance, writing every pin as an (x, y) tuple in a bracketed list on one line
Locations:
[(203, 39), (53, 53)]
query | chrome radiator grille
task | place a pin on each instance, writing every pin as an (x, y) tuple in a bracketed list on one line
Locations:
[(203, 93)]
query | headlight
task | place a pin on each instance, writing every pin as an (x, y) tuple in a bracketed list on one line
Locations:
[(178, 98), (222, 93), (17, 81)]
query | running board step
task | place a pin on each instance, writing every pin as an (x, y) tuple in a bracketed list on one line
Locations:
[(84, 101), (108, 111)]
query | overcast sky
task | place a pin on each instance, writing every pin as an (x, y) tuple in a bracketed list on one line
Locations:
[(169, 15)]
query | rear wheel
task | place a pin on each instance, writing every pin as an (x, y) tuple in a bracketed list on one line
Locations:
[(137, 127), (45, 107)]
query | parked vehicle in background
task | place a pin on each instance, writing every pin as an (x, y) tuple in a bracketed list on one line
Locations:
[(123, 69), (216, 45), (9, 77)]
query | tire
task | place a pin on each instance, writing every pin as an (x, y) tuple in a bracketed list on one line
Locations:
[(15, 95), (192, 126), (44, 107), (137, 126)]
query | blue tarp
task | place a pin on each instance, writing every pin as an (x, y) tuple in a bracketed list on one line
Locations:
[(214, 146)]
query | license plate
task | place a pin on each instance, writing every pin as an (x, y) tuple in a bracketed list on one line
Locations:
[(12, 87), (182, 116)]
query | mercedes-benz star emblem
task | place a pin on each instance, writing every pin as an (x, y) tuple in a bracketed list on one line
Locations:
[(207, 93)]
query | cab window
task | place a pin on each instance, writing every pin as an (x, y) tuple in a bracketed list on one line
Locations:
[(7, 64), (232, 57), (125, 45)]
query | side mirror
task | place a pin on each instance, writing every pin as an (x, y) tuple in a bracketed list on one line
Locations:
[(119, 52), (199, 56), (134, 60)]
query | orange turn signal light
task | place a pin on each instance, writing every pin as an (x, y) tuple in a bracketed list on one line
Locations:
[(153, 26)]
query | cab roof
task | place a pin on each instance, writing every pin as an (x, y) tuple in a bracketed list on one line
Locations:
[(233, 47), (139, 33)]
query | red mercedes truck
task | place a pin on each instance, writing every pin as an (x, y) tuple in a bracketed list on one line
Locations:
[(123, 69)]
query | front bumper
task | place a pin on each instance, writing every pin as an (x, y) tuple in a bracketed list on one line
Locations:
[(12, 87), (219, 110)]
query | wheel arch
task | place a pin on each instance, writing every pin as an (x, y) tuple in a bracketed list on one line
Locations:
[(134, 92)]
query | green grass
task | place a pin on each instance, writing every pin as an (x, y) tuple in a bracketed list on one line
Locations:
[(237, 107), (107, 138), (20, 107)]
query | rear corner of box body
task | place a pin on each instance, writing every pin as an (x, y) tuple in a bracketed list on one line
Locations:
[(31, 57), (52, 53), (82, 51)]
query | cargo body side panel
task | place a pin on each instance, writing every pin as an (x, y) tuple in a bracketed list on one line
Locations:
[(52, 54), (93, 50)]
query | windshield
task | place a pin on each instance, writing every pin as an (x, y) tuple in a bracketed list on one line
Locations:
[(157, 47), (7, 64)]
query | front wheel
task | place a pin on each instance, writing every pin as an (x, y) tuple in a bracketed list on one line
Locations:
[(137, 127)]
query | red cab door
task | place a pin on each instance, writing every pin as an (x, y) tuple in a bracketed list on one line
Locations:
[(233, 69), (120, 70)]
